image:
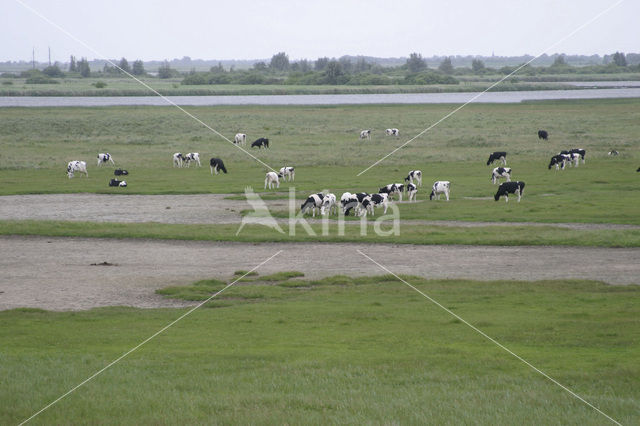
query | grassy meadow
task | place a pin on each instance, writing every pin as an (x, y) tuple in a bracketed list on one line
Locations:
[(291, 350)]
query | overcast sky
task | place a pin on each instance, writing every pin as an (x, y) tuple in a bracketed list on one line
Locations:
[(253, 29)]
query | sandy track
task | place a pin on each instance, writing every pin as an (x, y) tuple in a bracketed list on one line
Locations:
[(56, 273)]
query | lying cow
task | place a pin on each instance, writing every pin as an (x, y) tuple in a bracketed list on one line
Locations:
[(391, 189), (120, 172), (313, 202), (288, 172), (507, 188), (116, 182), (498, 155), (501, 172), (216, 164), (271, 179), (440, 187), (103, 158), (260, 143), (365, 134), (77, 166), (543, 134), (370, 202), (414, 175), (412, 190), (613, 153)]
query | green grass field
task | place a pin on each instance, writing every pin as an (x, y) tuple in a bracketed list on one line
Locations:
[(337, 350)]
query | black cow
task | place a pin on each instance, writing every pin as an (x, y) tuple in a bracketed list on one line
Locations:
[(262, 142), (216, 164), (507, 188), (638, 169), (543, 134), (498, 155), (120, 172)]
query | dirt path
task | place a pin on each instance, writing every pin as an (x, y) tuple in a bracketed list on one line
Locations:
[(182, 209), (56, 273)]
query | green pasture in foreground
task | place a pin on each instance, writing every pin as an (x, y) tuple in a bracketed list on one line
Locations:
[(408, 234), (322, 143), (338, 350)]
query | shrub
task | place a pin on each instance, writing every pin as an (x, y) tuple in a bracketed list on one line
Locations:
[(100, 84)]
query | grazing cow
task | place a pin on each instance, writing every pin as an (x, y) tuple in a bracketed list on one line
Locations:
[(501, 172), (192, 156), (262, 142), (638, 169), (270, 179), (391, 189), (77, 166), (579, 151), (178, 159), (498, 155), (329, 204), (507, 188), (103, 158), (560, 161), (288, 172), (116, 182), (216, 164), (613, 152), (575, 158), (392, 132), (414, 175), (412, 190), (370, 202), (543, 134), (313, 202), (240, 139), (440, 187), (365, 134), (120, 172), (352, 201)]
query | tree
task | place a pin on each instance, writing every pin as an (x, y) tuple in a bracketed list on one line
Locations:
[(123, 66), (559, 61), (362, 65), (138, 67), (321, 64), (83, 67), (72, 64), (279, 62), (445, 66), (619, 59), (53, 71), (334, 71), (165, 71), (259, 66), (477, 66), (415, 63)]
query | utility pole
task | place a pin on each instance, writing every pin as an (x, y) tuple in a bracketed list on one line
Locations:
[(33, 58), (49, 55)]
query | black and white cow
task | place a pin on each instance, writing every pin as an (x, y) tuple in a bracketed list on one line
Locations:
[(365, 134), (77, 166), (116, 182), (192, 156), (560, 161), (103, 158), (507, 188), (288, 172), (414, 175), (543, 134), (613, 153), (501, 172), (392, 132), (440, 187), (216, 164), (178, 159), (240, 139), (391, 189), (313, 202), (270, 179), (350, 201), (498, 155), (370, 202), (412, 190), (574, 158), (578, 151), (120, 172), (329, 204), (262, 142)]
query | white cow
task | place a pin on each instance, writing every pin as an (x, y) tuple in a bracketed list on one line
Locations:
[(440, 187), (240, 139), (288, 172), (365, 134), (103, 158), (77, 166), (271, 179), (329, 204), (177, 159)]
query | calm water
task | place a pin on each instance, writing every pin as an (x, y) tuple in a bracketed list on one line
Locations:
[(409, 98)]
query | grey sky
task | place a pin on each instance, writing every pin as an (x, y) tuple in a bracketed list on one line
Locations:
[(250, 29)]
